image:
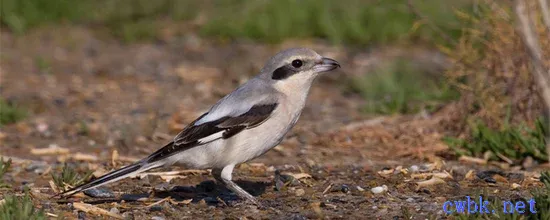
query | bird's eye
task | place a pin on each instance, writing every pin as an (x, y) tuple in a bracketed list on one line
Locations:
[(297, 63)]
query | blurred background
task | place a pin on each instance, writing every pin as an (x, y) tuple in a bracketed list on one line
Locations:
[(421, 81)]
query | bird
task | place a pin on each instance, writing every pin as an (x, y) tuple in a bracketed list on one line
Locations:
[(241, 126)]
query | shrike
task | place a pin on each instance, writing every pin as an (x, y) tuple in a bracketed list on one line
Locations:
[(241, 126)]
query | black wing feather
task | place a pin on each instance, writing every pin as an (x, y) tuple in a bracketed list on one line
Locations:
[(191, 135)]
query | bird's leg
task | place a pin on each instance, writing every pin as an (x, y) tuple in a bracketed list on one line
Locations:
[(224, 177)]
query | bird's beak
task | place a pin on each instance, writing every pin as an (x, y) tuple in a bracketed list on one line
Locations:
[(326, 64)]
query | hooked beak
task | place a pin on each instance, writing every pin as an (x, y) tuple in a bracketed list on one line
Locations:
[(326, 64)]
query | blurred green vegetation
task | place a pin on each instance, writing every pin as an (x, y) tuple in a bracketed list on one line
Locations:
[(69, 177), (4, 167), (20, 207), (346, 21), (402, 87), (10, 113), (513, 142)]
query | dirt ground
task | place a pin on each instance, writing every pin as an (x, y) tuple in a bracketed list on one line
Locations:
[(94, 96)]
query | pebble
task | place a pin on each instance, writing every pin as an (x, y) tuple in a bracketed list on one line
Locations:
[(37, 167), (81, 215), (99, 192), (488, 175), (379, 189), (360, 189), (162, 187), (414, 168), (157, 218), (344, 188), (114, 211), (528, 162), (155, 208), (297, 217), (127, 215), (300, 192), (424, 168)]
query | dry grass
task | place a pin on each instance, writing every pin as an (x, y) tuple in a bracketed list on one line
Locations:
[(492, 70)]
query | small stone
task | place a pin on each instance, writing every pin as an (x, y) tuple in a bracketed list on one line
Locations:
[(360, 189), (528, 162), (81, 215), (155, 208), (300, 192), (114, 211), (42, 127), (297, 217), (488, 175), (157, 218), (344, 188), (99, 192), (424, 168), (163, 187), (414, 168), (127, 215), (379, 189), (37, 167), (270, 169), (410, 200)]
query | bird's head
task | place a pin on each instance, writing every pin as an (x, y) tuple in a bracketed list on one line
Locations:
[(296, 66)]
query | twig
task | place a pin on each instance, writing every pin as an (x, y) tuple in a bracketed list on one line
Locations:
[(542, 76), (545, 13), (434, 27)]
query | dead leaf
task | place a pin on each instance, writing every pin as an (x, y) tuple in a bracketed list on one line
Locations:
[(500, 178), (160, 201), (441, 175), (84, 157), (51, 215), (128, 159), (316, 206), (470, 175), (184, 202), (114, 157), (298, 175), (99, 172), (53, 149), (88, 208), (430, 182), (474, 160), (327, 189), (53, 186), (386, 172)]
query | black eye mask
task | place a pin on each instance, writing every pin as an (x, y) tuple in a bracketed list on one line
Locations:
[(283, 72)]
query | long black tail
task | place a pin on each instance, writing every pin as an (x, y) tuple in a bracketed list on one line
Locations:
[(110, 177)]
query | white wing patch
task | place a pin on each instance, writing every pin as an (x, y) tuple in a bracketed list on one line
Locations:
[(211, 137)]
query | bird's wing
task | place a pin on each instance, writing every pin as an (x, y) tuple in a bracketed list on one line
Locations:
[(224, 127)]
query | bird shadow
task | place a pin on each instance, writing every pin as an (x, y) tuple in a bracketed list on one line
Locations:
[(212, 193)]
